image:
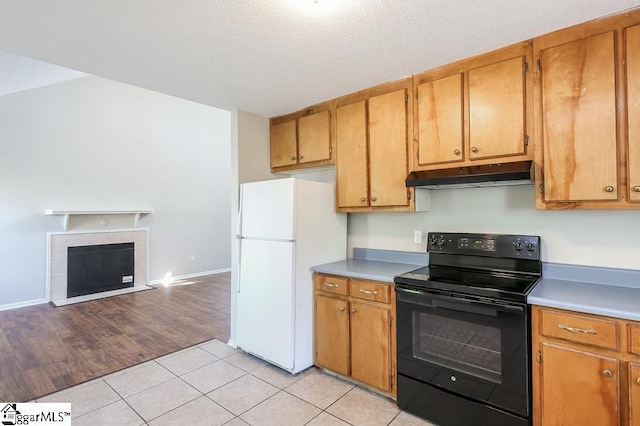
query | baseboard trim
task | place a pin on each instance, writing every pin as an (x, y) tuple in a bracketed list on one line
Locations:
[(22, 304), (197, 274)]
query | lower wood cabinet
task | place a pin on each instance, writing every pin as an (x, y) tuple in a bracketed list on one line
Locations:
[(332, 332), (586, 370), (353, 330), (578, 387), (634, 393)]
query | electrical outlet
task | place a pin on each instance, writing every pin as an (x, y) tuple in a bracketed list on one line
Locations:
[(417, 237), (193, 257)]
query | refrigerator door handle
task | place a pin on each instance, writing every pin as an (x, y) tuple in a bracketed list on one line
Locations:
[(239, 253), (239, 239)]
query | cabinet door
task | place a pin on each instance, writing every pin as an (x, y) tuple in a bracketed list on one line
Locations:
[(578, 388), (314, 138), (496, 109), (332, 334), (579, 120), (351, 160), (439, 112), (633, 109), (388, 156), (283, 144), (634, 394), (370, 345)]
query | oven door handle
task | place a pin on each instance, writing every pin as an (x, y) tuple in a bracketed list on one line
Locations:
[(411, 296)]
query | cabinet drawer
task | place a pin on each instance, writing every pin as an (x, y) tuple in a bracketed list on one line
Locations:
[(634, 339), (332, 284), (581, 329), (370, 290)]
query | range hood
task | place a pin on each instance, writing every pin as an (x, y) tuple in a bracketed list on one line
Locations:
[(503, 174)]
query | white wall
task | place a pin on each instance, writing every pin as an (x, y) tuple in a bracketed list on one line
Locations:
[(609, 238), (93, 143), (250, 163)]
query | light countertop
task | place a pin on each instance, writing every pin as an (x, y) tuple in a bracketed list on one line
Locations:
[(376, 265), (601, 291)]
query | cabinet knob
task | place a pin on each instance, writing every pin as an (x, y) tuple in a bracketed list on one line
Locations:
[(363, 199), (300, 157), (474, 149), (607, 373), (609, 188), (636, 188), (374, 199), (353, 311), (638, 380), (456, 152), (293, 158), (342, 309)]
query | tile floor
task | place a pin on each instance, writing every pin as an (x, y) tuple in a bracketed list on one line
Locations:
[(213, 384)]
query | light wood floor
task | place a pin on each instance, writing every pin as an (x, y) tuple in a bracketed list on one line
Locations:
[(45, 349)]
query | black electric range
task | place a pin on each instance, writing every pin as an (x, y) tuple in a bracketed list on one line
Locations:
[(463, 330)]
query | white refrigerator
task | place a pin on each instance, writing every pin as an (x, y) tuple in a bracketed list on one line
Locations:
[(285, 227)]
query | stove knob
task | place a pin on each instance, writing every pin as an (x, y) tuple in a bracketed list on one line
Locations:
[(530, 246), (518, 246), (440, 242)]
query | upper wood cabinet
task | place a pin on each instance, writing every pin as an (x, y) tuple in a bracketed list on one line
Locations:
[(632, 45), (588, 127), (302, 139), (475, 111), (372, 145)]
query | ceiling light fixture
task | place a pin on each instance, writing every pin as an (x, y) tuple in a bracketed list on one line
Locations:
[(318, 7)]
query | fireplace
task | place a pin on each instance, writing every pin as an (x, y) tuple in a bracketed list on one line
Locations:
[(98, 268), (89, 265)]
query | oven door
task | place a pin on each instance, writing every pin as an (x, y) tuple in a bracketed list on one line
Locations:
[(476, 348)]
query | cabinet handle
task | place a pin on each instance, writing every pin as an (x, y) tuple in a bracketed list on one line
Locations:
[(636, 188), (609, 188), (342, 309), (638, 380), (300, 157), (474, 149), (331, 285), (353, 311), (456, 152), (607, 373), (293, 158), (374, 199), (576, 330), (362, 290), (363, 199)]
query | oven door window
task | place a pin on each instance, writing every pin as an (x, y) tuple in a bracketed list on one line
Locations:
[(476, 349), (468, 347)]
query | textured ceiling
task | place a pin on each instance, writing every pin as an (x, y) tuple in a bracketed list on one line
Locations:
[(18, 73), (276, 56)]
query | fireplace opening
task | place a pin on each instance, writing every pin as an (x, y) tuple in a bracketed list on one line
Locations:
[(98, 268)]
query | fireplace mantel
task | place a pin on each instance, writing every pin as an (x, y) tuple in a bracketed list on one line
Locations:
[(70, 215)]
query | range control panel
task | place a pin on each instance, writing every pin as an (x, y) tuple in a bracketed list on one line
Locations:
[(493, 245)]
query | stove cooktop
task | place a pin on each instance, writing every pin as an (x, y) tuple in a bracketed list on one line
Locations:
[(495, 285), (496, 266)]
